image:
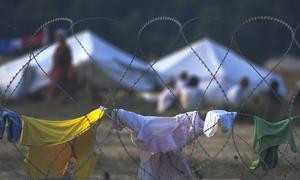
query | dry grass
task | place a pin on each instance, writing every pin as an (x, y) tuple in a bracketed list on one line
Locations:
[(114, 159)]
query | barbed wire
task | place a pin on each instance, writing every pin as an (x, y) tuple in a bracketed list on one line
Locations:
[(210, 159), (247, 21)]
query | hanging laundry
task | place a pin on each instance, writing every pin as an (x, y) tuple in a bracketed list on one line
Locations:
[(161, 134), (267, 138), (14, 127), (55, 146), (214, 117), (9, 46), (160, 141)]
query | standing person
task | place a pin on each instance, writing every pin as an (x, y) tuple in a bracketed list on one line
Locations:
[(106, 176), (191, 96), (273, 103), (62, 73), (182, 81), (237, 93), (166, 98)]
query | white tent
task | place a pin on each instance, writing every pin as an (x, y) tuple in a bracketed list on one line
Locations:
[(110, 59), (234, 68)]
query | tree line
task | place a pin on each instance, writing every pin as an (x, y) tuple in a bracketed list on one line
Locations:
[(217, 19)]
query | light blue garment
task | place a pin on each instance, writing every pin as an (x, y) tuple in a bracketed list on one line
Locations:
[(227, 119), (14, 127), (215, 117)]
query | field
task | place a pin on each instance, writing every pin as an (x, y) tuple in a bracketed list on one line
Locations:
[(113, 158)]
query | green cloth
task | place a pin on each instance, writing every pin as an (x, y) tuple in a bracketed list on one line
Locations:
[(267, 138)]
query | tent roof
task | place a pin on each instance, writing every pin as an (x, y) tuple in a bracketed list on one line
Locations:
[(212, 53), (107, 56), (186, 60), (232, 71)]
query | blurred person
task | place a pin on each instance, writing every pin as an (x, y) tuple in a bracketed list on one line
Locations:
[(106, 176), (273, 102), (295, 94), (191, 96), (182, 81), (237, 93), (167, 97), (62, 72)]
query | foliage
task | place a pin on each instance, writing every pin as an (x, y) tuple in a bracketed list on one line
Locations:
[(258, 41)]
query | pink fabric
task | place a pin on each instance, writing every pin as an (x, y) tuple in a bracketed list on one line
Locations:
[(188, 125)]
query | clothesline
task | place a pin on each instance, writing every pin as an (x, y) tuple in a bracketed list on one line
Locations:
[(152, 134), (58, 170), (263, 154), (110, 110)]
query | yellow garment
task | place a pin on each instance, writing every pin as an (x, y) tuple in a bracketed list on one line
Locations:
[(54, 145)]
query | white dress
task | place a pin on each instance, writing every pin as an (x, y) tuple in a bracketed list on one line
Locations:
[(160, 141)]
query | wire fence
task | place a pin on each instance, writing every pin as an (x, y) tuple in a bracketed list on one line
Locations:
[(197, 149)]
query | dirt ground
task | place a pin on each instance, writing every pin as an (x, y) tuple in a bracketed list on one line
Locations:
[(121, 162)]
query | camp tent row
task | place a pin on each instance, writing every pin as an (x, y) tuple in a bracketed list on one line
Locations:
[(114, 62), (231, 72)]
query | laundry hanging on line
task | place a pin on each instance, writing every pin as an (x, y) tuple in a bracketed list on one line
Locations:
[(55, 146), (213, 118), (267, 139), (160, 134), (160, 141), (14, 127)]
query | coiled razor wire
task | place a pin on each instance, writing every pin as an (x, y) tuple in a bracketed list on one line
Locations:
[(154, 21), (250, 20), (60, 88), (151, 65), (49, 77)]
